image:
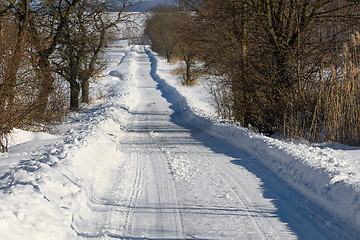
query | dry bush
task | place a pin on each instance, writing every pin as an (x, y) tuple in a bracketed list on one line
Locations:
[(56, 106), (342, 99), (277, 62), (19, 101), (195, 74), (8, 111), (220, 91), (174, 59), (329, 107), (181, 71), (177, 71)]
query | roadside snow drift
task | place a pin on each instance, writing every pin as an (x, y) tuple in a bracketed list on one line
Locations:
[(327, 174), (47, 181)]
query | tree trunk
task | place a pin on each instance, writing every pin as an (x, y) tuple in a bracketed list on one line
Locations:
[(74, 95), (43, 64), (188, 78), (91, 68), (46, 86), (1, 28), (188, 73), (85, 90), (8, 86)]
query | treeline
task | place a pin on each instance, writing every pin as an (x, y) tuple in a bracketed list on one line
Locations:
[(168, 30), (44, 43), (285, 67)]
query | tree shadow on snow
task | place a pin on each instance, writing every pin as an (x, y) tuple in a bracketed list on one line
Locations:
[(303, 218)]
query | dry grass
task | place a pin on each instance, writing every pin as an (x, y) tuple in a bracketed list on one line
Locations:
[(330, 108), (192, 83), (178, 71)]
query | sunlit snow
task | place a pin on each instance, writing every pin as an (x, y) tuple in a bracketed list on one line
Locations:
[(148, 159)]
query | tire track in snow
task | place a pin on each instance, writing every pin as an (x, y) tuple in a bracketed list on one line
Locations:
[(158, 198), (174, 195), (238, 190), (134, 196), (152, 203), (254, 215), (139, 175), (263, 232)]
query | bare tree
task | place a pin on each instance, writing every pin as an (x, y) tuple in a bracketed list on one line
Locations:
[(160, 27), (18, 80), (103, 25), (170, 31), (84, 39), (12, 53), (274, 54), (46, 30), (21, 16), (188, 48)]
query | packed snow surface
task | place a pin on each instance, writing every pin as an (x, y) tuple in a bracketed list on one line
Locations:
[(148, 159)]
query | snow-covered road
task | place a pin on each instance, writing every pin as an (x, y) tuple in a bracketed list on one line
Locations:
[(176, 182), (138, 164)]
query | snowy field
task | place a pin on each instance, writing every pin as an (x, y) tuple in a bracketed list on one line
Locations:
[(148, 159)]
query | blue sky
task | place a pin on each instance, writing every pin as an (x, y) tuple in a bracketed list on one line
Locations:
[(151, 3), (160, 1)]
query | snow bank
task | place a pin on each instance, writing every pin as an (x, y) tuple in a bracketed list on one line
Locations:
[(47, 195), (49, 183), (19, 136), (328, 176)]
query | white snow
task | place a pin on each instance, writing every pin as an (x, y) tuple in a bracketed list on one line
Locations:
[(328, 174), (150, 160), (19, 136)]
